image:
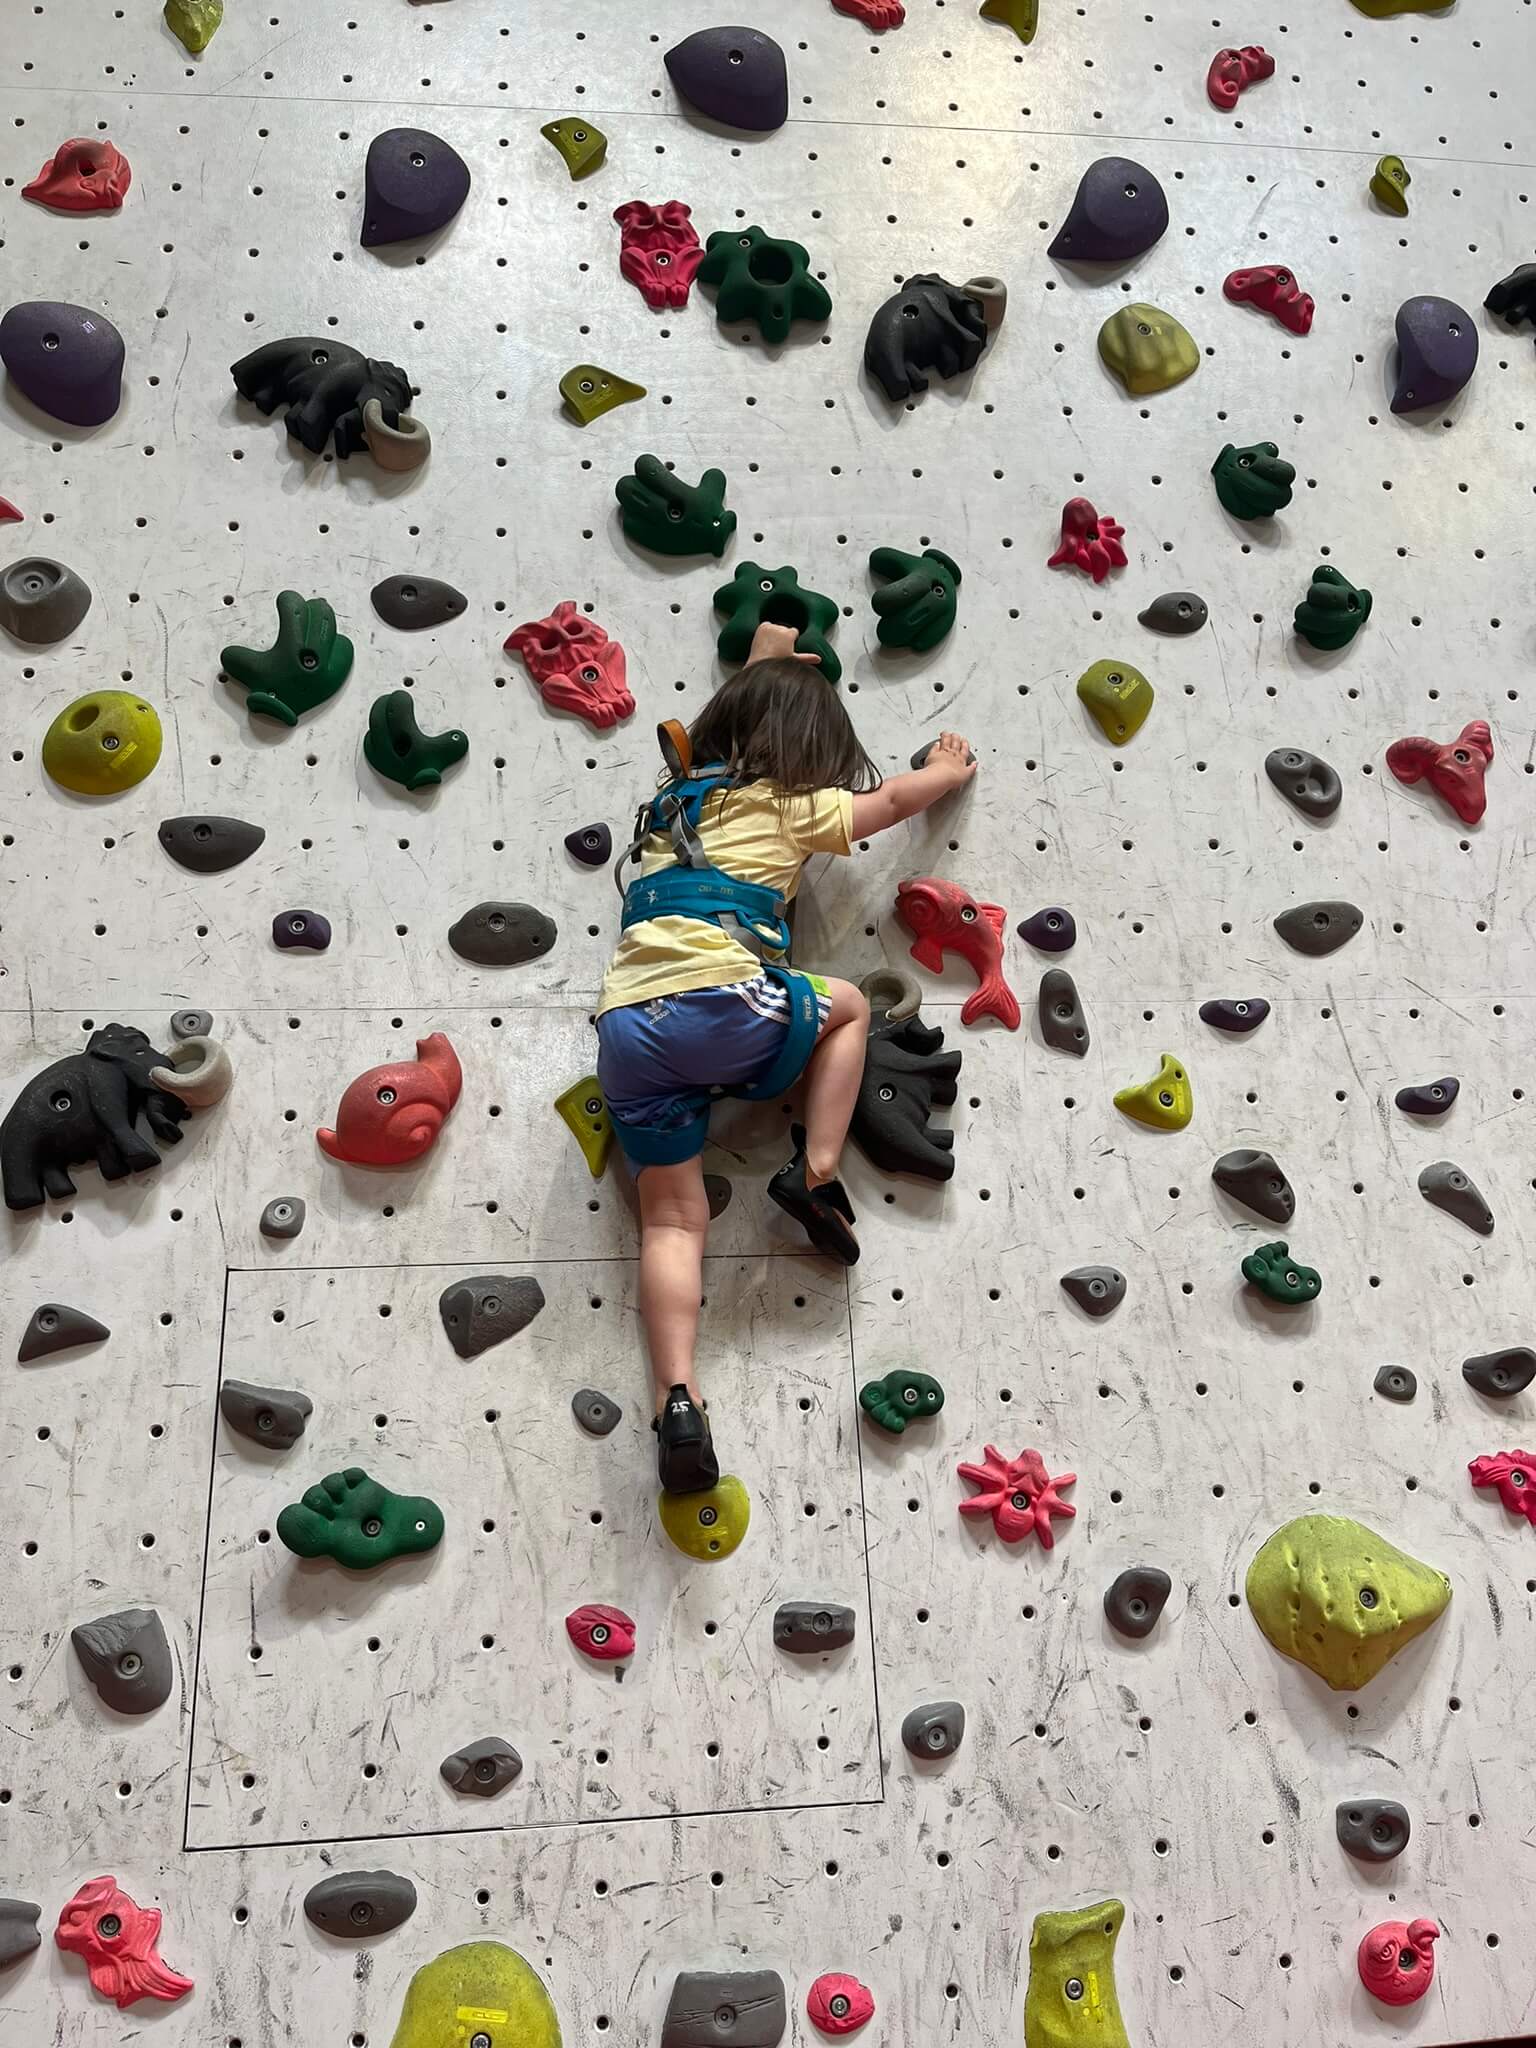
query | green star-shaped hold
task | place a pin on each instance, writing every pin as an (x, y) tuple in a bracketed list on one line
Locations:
[(351, 1518), (916, 605), (1333, 610), (308, 662), (401, 752), (1022, 16), (670, 517), (761, 278), (756, 595)]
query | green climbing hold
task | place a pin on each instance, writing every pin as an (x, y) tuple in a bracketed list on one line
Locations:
[(590, 392), (1147, 349), (1166, 1102), (757, 596), (1340, 1599), (582, 145), (916, 604), (1333, 610), (586, 1116), (1281, 1278), (1383, 10), (662, 513), (708, 1526), (1022, 16), (763, 279), (401, 752), (351, 1518), (900, 1398), (308, 662), (1389, 184), (1072, 2001), (1253, 483), (194, 23), (1117, 697)]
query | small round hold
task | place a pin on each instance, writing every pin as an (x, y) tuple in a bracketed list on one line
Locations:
[(920, 756), (414, 602), (1052, 930), (1319, 928), (191, 1023), (595, 1412), (301, 928), (41, 600), (1498, 1374), (1176, 611), (1097, 1290), (1305, 780), (932, 1732), (1137, 1597), (1429, 1098), (1234, 1013), (283, 1216), (1396, 1382), (590, 844), (1373, 1830)]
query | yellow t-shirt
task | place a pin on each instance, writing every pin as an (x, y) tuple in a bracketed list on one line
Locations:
[(752, 833)]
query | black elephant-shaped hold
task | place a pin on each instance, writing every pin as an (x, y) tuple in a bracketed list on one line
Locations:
[(906, 1074), (325, 386), (87, 1107), (928, 325)]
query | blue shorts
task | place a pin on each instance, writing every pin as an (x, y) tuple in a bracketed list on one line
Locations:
[(659, 1063)]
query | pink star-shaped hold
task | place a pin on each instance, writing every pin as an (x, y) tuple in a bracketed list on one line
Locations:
[(1514, 1474), (1018, 1493)]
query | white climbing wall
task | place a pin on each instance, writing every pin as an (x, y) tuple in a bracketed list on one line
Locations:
[(721, 1805)]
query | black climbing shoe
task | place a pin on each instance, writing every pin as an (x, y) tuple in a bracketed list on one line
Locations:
[(685, 1454), (824, 1213)]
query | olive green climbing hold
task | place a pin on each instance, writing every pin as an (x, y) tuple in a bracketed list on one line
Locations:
[(900, 1398), (1383, 10), (1072, 2001), (590, 392), (1166, 1102), (1147, 349), (708, 1526), (586, 1116), (1333, 610), (352, 1519), (102, 743), (582, 145), (1281, 1278), (756, 596), (916, 602), (1341, 1599), (401, 752), (1117, 697), (481, 1990), (1253, 483), (1022, 16), (1389, 184), (308, 662), (194, 23), (670, 517), (763, 279)]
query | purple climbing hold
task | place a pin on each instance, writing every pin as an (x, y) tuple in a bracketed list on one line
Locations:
[(414, 184), (1119, 211), (301, 928), (66, 359), (734, 75), (1052, 930), (1436, 352)]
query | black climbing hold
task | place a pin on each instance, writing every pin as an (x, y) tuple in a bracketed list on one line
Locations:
[(329, 390), (934, 1731), (717, 1192), (1136, 1599), (87, 1106), (744, 2008), (595, 1412), (736, 76), (283, 1216), (1234, 1013), (1436, 352), (590, 844), (906, 1076), (1254, 1179), (209, 845), (929, 324), (412, 602), (502, 934), (1118, 211), (488, 1310), (1318, 928), (18, 1929), (1373, 1830), (41, 600), (804, 1627), (919, 755), (273, 1417), (192, 1023), (56, 1328), (127, 1658), (413, 184), (355, 1903), (1062, 1023), (1305, 781), (1396, 1382), (67, 359), (1097, 1290), (1447, 1187), (1498, 1374), (1052, 930), (1176, 611), (482, 1769), (1429, 1098), (305, 929), (1513, 298)]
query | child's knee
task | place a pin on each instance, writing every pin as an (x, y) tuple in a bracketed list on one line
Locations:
[(850, 1005)]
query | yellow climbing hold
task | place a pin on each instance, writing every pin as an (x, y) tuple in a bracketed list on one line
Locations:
[(1166, 1102), (581, 144), (102, 743), (194, 22), (586, 1113), (710, 1525), (1022, 16), (590, 392), (1071, 2001), (1117, 697), (1147, 349), (1341, 1599), (481, 1988), (1389, 184)]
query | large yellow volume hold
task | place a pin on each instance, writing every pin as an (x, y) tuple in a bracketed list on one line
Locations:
[(480, 1992), (1341, 1599), (1071, 2001), (102, 743)]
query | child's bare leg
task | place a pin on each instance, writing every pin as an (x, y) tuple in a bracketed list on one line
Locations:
[(674, 1219), (832, 1081)]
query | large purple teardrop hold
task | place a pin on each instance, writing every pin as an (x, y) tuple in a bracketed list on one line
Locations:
[(1120, 210), (1436, 352), (66, 359), (734, 75), (414, 184)]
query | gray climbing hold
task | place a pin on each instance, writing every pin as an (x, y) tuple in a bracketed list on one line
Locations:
[(1136, 1599), (920, 757), (804, 1628), (1447, 1187), (1234, 1013), (935, 1731), (127, 1658), (1062, 1023), (502, 934), (273, 1417), (1304, 780), (1373, 1830), (412, 602), (1097, 1290), (1428, 1098), (41, 601), (1176, 611), (590, 844), (1318, 928), (597, 1415), (1256, 1180), (1052, 930), (893, 995), (482, 1769), (717, 1192), (488, 1310), (305, 930), (742, 2007), (191, 1023), (284, 1216), (357, 1903), (18, 1929), (209, 845), (55, 1327), (1396, 1382), (1498, 1374)]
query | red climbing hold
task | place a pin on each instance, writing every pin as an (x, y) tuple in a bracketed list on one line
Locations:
[(603, 1633), (1396, 1960), (944, 918), (118, 1941), (1018, 1494), (659, 252), (1233, 71), (1273, 289), (838, 2004), (392, 1114), (1455, 771), (82, 177), (876, 14), (8, 511), (1514, 1474), (1088, 542), (576, 666)]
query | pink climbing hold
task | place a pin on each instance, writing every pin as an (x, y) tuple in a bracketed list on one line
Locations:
[(1396, 1960), (82, 177), (1233, 71), (603, 1633), (1088, 541), (1018, 1494), (1455, 771), (119, 1943), (875, 14), (392, 1114), (1274, 290), (8, 512), (659, 252), (1513, 1473), (839, 2004), (944, 918), (576, 666)]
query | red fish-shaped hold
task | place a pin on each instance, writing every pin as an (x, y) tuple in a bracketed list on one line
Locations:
[(1514, 1474), (392, 1115), (576, 666), (1396, 1960), (82, 177), (1233, 71), (8, 512), (603, 1633), (119, 1942), (659, 252), (1455, 772), (838, 2004), (876, 14), (1274, 290), (944, 918), (1019, 1494), (1087, 541)]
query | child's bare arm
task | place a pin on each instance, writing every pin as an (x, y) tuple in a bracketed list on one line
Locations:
[(949, 765)]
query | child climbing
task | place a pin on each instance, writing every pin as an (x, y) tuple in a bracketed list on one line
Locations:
[(699, 1001)]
